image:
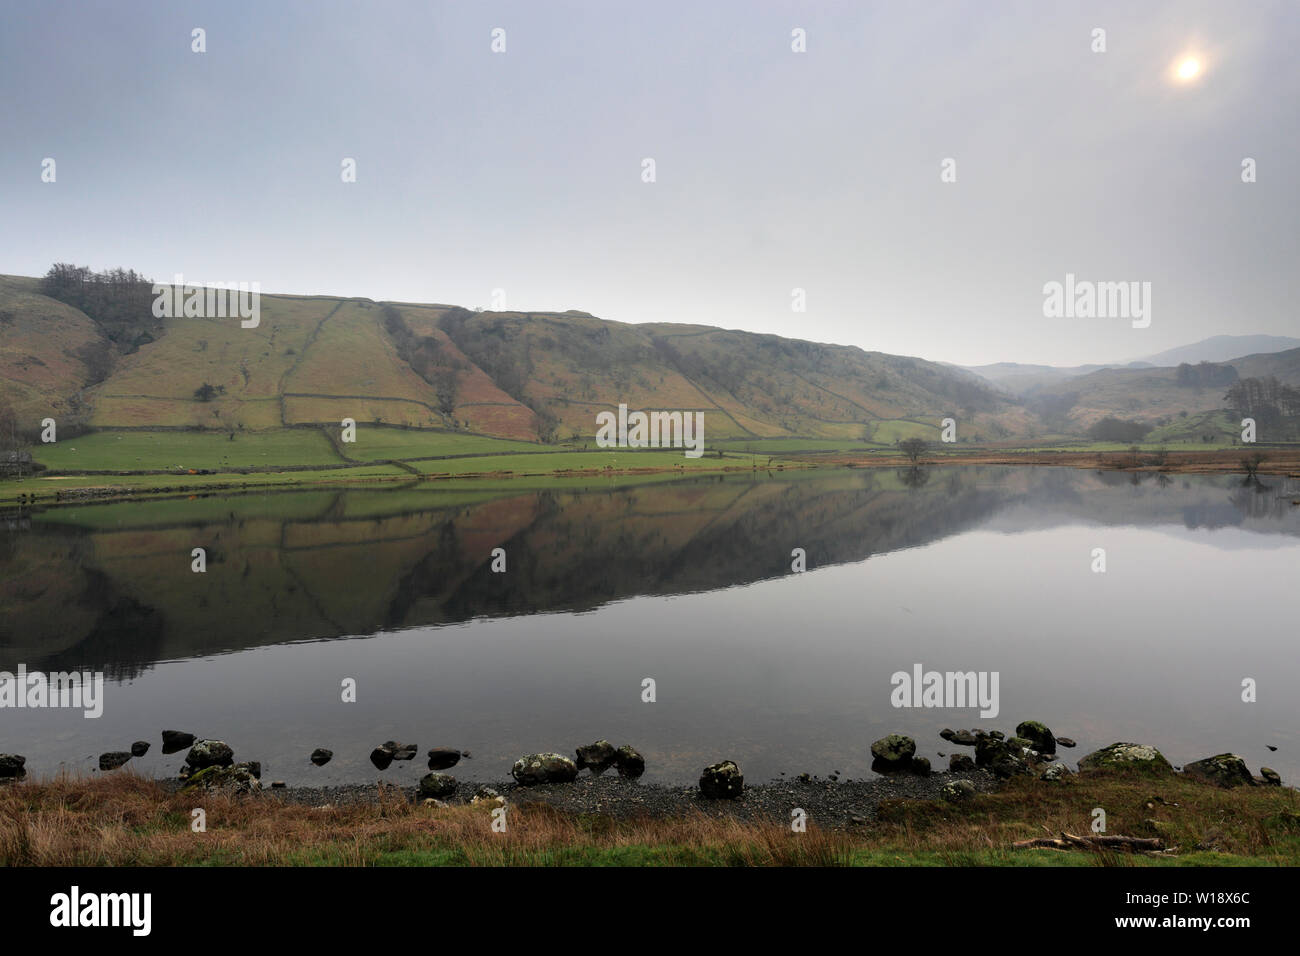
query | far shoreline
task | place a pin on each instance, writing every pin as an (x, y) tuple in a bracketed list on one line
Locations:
[(84, 487)]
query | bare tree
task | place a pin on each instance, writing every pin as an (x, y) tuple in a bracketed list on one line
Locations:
[(913, 448), (1252, 462)]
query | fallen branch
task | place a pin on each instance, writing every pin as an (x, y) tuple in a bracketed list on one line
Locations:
[(1068, 841)]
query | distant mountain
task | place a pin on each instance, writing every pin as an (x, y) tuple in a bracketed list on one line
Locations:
[(1221, 348), (1021, 379), (1152, 394)]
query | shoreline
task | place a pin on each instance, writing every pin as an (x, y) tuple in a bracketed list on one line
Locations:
[(1280, 462), (1165, 820)]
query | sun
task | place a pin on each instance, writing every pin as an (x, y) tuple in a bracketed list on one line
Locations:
[(1187, 69)]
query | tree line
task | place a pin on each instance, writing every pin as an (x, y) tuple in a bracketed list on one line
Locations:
[(119, 301)]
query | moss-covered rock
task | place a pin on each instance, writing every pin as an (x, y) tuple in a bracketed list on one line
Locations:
[(1222, 770), (210, 753), (1001, 757), (238, 779), (957, 791), (1039, 737), (437, 785), (533, 769), (597, 757), (1127, 757), (894, 749), (630, 762), (113, 759)]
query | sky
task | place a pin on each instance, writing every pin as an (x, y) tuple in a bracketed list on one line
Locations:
[(774, 170)]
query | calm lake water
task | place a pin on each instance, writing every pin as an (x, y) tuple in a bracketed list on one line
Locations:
[(687, 582)]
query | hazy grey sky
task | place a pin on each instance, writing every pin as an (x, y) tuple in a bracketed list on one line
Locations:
[(775, 170)]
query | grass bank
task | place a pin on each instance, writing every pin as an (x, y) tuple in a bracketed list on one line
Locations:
[(126, 820)]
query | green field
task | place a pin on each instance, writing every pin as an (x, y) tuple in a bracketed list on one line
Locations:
[(186, 450), (401, 444), (776, 446), (548, 462), (165, 461), (888, 432)]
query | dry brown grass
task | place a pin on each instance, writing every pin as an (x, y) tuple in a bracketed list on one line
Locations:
[(122, 819)]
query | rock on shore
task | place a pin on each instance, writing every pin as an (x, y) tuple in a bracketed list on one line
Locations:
[(1222, 770), (533, 769), (1130, 757), (722, 781)]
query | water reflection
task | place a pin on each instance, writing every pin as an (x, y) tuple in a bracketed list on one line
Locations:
[(109, 586)]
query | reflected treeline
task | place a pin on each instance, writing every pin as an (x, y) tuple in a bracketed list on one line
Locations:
[(110, 586)]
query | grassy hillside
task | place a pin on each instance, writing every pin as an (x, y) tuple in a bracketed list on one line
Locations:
[(524, 377)]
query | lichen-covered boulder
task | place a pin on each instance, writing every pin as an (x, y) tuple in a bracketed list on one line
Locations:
[(722, 781), (534, 769), (486, 795), (1222, 770), (437, 785), (957, 791), (1001, 757), (597, 757), (210, 753), (1056, 771), (1128, 757), (960, 762), (237, 779), (11, 765), (113, 759), (629, 761), (894, 749), (174, 741), (1039, 737)]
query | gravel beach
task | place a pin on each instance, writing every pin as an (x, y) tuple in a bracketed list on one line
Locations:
[(829, 804)]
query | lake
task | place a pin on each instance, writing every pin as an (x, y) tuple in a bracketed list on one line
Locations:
[(685, 582)]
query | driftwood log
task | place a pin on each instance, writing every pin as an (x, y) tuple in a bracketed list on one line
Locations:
[(1068, 841)]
